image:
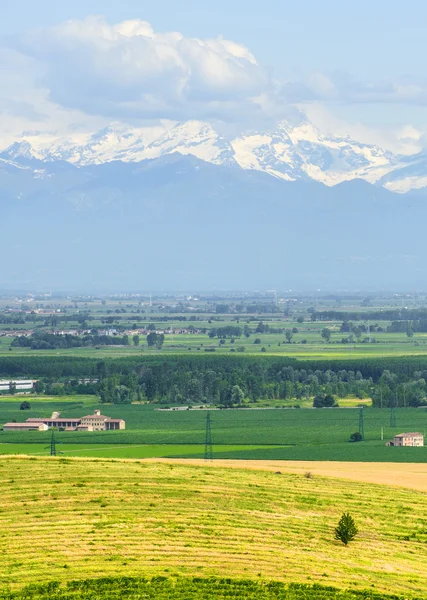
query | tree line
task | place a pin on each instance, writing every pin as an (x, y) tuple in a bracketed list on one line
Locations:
[(186, 379)]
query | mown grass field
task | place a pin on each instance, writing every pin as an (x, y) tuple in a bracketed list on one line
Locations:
[(64, 519), (265, 434)]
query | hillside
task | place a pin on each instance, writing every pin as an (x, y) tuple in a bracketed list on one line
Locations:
[(65, 519)]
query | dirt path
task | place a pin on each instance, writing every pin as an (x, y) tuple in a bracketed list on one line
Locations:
[(408, 475)]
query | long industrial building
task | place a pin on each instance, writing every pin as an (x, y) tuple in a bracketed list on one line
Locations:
[(95, 422)]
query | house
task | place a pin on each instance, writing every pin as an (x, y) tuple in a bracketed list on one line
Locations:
[(25, 427), (100, 422), (95, 422), (415, 439)]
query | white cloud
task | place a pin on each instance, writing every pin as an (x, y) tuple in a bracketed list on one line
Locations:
[(400, 139), (129, 70), (78, 76)]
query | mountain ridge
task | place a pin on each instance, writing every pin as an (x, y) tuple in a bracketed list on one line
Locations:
[(289, 151)]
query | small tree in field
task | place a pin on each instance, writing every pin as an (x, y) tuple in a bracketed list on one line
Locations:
[(346, 529)]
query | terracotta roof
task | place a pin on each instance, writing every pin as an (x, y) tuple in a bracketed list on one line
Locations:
[(115, 420), (416, 434)]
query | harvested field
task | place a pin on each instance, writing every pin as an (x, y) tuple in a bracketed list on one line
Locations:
[(407, 475), (68, 518)]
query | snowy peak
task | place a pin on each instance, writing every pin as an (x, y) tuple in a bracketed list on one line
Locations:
[(297, 151), (196, 138), (19, 150)]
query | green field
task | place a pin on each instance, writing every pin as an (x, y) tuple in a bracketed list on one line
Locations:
[(64, 519), (294, 434)]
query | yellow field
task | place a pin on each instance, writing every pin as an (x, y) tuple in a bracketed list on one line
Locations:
[(408, 475), (68, 519)]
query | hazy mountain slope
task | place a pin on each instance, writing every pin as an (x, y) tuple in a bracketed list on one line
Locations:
[(178, 222)]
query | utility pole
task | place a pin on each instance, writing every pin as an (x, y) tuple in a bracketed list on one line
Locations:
[(208, 439)]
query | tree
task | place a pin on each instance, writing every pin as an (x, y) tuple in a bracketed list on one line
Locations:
[(324, 402), (237, 395), (356, 437), (346, 529), (326, 334), (289, 335), (155, 339), (12, 387), (135, 340), (300, 320), (39, 386), (25, 405)]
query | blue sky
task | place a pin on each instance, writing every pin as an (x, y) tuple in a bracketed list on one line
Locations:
[(380, 37), (356, 65)]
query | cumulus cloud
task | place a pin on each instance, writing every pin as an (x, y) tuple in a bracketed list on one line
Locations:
[(129, 70), (80, 75)]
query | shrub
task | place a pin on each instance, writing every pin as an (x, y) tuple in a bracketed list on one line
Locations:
[(25, 405), (356, 437), (346, 529)]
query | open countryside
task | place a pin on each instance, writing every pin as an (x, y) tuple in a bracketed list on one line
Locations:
[(172, 519), (271, 433)]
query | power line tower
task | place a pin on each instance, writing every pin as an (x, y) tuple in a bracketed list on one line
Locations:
[(208, 439), (361, 423), (52, 445)]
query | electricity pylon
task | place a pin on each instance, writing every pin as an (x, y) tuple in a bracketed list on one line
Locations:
[(52, 446)]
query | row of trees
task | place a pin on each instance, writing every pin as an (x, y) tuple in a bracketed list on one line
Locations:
[(389, 382)]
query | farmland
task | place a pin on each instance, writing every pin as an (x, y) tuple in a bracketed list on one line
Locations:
[(265, 434), (84, 517), (188, 324)]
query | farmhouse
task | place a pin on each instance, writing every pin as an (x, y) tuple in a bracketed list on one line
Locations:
[(408, 439), (95, 422)]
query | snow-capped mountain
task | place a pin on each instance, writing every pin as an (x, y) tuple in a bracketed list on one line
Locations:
[(289, 152)]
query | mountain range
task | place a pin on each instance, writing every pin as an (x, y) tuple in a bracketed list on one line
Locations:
[(176, 222), (293, 152)]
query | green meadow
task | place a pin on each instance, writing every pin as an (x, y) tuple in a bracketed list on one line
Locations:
[(270, 433)]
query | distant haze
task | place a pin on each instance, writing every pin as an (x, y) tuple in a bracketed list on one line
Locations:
[(180, 223)]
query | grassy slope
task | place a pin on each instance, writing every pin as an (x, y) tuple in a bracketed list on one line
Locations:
[(64, 519)]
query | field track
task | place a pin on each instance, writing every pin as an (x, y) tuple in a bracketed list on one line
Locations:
[(407, 475)]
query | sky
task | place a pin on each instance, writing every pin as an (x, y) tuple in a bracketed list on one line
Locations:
[(352, 68)]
